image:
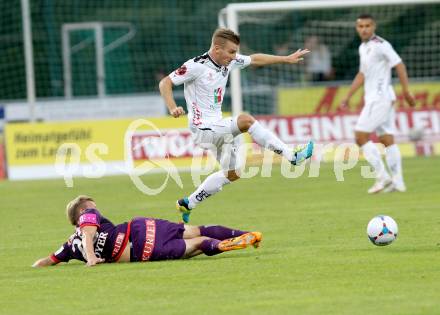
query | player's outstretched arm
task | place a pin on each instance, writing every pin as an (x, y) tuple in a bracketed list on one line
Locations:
[(44, 262), (404, 82), (166, 90), (264, 59)]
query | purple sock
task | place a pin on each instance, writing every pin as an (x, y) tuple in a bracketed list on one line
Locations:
[(219, 232), (209, 247)]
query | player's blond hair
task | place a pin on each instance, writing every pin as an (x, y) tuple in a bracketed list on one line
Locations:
[(73, 206), (222, 35)]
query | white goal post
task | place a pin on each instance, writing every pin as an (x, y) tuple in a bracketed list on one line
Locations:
[(98, 29), (230, 17)]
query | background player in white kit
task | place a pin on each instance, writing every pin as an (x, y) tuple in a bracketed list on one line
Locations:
[(377, 58), (205, 79)]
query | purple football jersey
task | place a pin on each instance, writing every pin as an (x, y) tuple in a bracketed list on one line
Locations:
[(109, 240)]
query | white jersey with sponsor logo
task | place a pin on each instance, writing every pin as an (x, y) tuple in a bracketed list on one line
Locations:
[(205, 87), (377, 58)]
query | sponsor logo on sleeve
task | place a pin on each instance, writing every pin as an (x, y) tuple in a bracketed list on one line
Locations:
[(239, 61), (88, 218), (182, 70)]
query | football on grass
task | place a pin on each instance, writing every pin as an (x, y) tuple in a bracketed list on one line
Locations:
[(382, 230)]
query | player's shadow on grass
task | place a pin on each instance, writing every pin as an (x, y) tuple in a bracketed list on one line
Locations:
[(250, 253), (398, 250), (195, 259)]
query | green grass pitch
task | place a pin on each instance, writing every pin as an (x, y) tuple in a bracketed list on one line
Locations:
[(315, 257)]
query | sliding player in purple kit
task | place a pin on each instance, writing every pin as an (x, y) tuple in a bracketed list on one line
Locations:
[(97, 240)]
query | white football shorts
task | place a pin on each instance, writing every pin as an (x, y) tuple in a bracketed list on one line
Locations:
[(220, 138), (379, 117)]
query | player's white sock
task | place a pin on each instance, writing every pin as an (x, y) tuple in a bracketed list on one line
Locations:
[(394, 162), (268, 140), (211, 185), (372, 155)]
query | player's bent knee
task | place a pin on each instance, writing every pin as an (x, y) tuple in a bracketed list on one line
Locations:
[(191, 231), (193, 246), (387, 140), (245, 121)]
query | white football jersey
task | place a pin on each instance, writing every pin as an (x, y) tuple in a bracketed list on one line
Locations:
[(377, 58), (205, 87)]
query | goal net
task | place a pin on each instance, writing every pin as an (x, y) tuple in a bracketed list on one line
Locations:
[(327, 28)]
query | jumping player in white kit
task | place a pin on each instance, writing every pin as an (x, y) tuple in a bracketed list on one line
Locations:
[(205, 79), (377, 58)]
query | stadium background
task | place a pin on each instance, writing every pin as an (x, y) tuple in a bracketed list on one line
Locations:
[(169, 32), (145, 40)]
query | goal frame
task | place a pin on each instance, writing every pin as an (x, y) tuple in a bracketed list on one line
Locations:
[(98, 29)]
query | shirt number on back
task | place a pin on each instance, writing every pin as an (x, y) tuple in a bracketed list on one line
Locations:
[(77, 245)]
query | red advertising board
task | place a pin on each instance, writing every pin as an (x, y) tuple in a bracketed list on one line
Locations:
[(325, 128)]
